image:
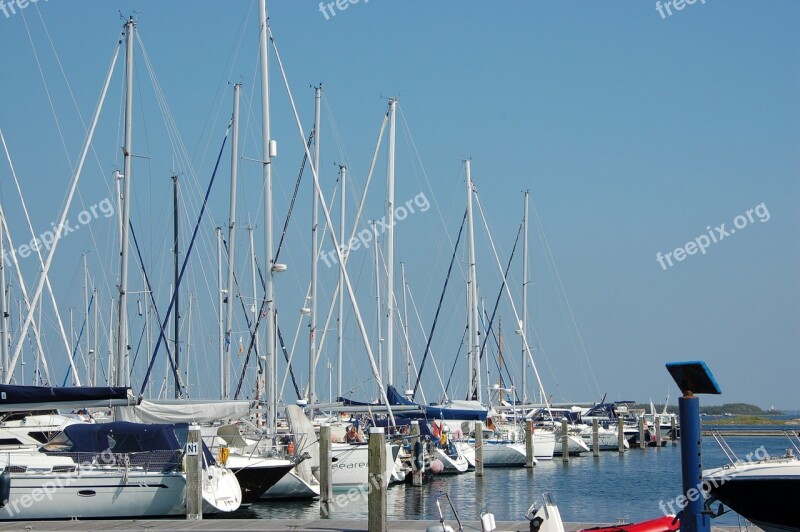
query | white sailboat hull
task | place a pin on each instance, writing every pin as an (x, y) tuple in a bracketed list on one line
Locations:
[(292, 486), (94, 495), (453, 465), (350, 465)]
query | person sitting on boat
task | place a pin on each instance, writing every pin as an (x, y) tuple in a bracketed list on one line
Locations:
[(352, 435)]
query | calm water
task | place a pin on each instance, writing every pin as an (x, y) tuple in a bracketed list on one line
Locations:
[(587, 489)]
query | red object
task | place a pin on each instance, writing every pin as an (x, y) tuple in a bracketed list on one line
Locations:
[(667, 523)]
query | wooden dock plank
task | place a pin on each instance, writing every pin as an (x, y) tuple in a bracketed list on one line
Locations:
[(252, 525)]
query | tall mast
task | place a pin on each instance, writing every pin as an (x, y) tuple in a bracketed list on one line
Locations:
[(232, 225), (253, 271), (96, 335), (340, 327), (176, 272), (390, 247), (147, 329), (405, 328), (378, 309), (121, 376), (268, 149), (188, 343), (474, 342), (224, 367), (87, 349), (3, 306), (312, 335), (522, 325), (500, 349)]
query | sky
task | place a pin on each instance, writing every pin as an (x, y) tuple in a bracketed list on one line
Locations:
[(637, 132)]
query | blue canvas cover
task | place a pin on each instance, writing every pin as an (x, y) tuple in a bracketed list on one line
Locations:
[(26, 398)]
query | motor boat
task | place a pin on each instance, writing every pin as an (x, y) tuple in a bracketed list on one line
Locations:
[(763, 491)]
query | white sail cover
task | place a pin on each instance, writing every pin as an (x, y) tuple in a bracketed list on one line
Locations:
[(302, 427), (184, 411)]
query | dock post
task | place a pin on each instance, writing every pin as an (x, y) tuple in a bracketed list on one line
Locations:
[(692, 378), (376, 503), (529, 444), (564, 441), (194, 476), (325, 471), (621, 434), (642, 443), (656, 430), (478, 448), (417, 455), (595, 437), (674, 431)]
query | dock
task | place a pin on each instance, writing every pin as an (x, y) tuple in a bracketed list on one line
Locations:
[(252, 525)]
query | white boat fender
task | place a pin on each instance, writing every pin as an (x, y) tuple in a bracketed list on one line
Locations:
[(5, 487), (487, 522)]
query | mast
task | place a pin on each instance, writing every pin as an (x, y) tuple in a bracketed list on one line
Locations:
[(188, 342), (472, 291), (524, 322), (122, 376), (224, 367), (3, 306), (253, 271), (390, 247), (405, 329), (378, 312), (340, 328), (500, 349), (110, 365), (147, 329), (268, 151), (87, 350), (176, 265), (312, 335), (96, 335), (232, 225)]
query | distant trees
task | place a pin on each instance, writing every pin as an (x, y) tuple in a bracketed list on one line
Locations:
[(739, 409)]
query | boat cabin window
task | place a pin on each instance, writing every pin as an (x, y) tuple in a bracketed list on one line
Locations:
[(60, 443)]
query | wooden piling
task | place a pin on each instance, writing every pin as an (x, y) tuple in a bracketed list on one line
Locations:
[(194, 476), (621, 434), (564, 441), (642, 442), (478, 448), (674, 431), (595, 437), (529, 444), (657, 430), (417, 455), (376, 503), (325, 471)]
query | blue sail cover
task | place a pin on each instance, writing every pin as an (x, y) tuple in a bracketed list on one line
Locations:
[(15, 398), (122, 437), (152, 446), (434, 411)]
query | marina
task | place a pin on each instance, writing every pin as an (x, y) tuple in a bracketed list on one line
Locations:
[(278, 320)]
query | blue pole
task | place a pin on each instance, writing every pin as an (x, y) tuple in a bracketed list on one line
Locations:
[(692, 518)]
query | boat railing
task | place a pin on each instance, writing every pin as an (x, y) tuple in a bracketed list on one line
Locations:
[(794, 439), (150, 461), (725, 446)]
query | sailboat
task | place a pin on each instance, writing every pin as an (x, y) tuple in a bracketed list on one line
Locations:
[(110, 470)]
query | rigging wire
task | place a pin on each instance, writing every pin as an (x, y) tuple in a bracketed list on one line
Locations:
[(439, 306)]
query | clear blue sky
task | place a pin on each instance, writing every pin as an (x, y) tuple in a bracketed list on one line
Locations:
[(633, 133)]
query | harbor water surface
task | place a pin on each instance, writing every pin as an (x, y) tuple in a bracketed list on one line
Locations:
[(631, 487)]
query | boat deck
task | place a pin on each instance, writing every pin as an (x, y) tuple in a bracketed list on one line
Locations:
[(247, 525)]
